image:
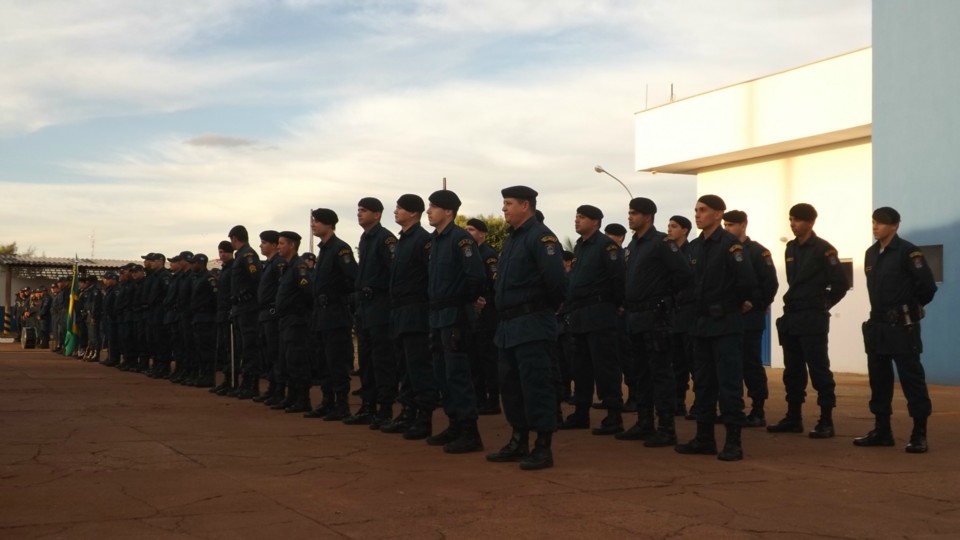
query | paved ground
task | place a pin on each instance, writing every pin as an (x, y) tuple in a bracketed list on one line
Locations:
[(91, 452)]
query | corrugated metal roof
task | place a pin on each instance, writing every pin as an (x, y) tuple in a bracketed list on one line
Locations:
[(60, 262)]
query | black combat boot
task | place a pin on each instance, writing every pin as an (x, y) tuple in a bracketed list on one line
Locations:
[(341, 407), (278, 397), (918, 438), (250, 388), (364, 415), (732, 448), (643, 429), (422, 427), (791, 423), (824, 427), (286, 401), (666, 434), (384, 415), (468, 441), (881, 435), (516, 449), (542, 455), (756, 418), (448, 435), (580, 419), (612, 424), (704, 443), (301, 403), (400, 424), (205, 379), (271, 390), (325, 407)]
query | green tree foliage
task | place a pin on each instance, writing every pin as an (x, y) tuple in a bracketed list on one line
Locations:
[(8, 249), (496, 228)]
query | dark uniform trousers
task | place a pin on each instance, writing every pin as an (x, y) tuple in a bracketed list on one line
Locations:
[(597, 359), (754, 375), (418, 388), (246, 324), (653, 364), (187, 344), (161, 341), (205, 342), (484, 354), (223, 344), (682, 357), (564, 351), (128, 338), (451, 366), (803, 352), (176, 342), (528, 396), (294, 330), (113, 340), (379, 376), (269, 339), (912, 379), (335, 351), (718, 376)]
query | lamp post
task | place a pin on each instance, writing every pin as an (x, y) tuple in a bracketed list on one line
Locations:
[(600, 169)]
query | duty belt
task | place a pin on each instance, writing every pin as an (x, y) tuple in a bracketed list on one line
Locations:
[(904, 315), (801, 305), (409, 300), (522, 309), (587, 302)]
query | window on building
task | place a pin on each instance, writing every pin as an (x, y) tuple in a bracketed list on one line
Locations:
[(934, 256)]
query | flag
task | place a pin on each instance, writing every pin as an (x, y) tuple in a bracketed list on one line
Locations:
[(73, 331)]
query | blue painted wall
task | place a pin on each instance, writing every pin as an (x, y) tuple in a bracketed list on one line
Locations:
[(916, 150)]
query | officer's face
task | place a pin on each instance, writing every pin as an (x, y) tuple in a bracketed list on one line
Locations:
[(437, 216), (800, 227), (287, 248), (584, 225), (882, 231), (367, 218), (515, 212), (675, 231), (705, 216), (478, 236), (224, 256), (735, 229), (403, 217), (310, 263), (267, 248), (636, 220)]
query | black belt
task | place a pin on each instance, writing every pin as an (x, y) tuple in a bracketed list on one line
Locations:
[(805, 305), (523, 309), (587, 302), (445, 303), (905, 315), (409, 300)]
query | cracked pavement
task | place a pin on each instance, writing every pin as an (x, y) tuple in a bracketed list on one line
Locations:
[(92, 452)]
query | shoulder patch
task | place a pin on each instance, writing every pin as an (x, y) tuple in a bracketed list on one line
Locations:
[(917, 257), (344, 251), (389, 240), (466, 246), (465, 242), (737, 250), (547, 238), (830, 253), (916, 254), (252, 268), (612, 247), (550, 244), (736, 247)]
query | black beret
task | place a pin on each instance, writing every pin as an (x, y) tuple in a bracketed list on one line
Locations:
[(198, 258), (326, 216), (411, 203), (136, 268), (445, 199), (149, 256), (567, 255), (477, 224), (803, 212), (183, 256), (735, 216), (519, 192), (225, 246), (371, 203), (127, 267), (270, 236), (713, 201), (111, 275), (643, 205), (615, 229), (683, 222), (290, 235), (590, 211), (308, 256), (886, 215), (238, 231), (540, 216)]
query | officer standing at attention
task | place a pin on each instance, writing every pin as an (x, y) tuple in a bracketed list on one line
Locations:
[(684, 314), (410, 325), (724, 289), (244, 282), (93, 304), (111, 326), (530, 288), (816, 283), (755, 320), (224, 346), (334, 279), (269, 329), (618, 233), (379, 380), (294, 303), (484, 351), (656, 271), (203, 308), (455, 284), (594, 295), (900, 283)]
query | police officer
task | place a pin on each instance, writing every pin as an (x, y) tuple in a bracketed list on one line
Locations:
[(379, 380), (93, 304), (684, 314), (618, 234), (111, 324), (179, 279), (268, 322), (530, 288), (44, 319), (203, 313), (244, 282), (309, 258), (755, 320), (158, 338), (409, 323), (124, 308), (816, 283), (565, 349), (226, 340), (455, 284), (61, 303), (656, 271), (334, 279), (484, 351), (138, 356), (294, 303), (594, 295), (899, 283), (724, 288)]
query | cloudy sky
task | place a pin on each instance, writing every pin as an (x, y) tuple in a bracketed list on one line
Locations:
[(156, 126)]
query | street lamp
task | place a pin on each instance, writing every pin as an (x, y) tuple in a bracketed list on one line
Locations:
[(600, 169)]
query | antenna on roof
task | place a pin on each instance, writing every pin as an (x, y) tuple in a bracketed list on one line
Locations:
[(93, 242)]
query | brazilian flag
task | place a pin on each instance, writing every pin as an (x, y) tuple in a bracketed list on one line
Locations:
[(73, 331)]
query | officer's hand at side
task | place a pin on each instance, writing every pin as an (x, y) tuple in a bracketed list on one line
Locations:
[(747, 306)]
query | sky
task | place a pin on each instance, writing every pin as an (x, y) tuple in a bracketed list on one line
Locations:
[(131, 127)]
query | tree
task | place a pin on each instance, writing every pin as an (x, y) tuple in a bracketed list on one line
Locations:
[(496, 228), (13, 249)]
